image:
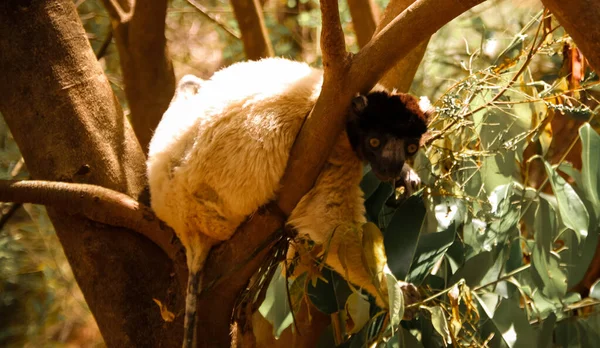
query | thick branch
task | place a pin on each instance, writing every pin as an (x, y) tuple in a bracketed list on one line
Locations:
[(364, 19), (407, 30), (97, 204), (252, 26), (147, 69), (580, 20), (401, 75), (333, 44)]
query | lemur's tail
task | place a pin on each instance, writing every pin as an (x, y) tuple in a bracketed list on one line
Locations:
[(191, 303), (196, 259)]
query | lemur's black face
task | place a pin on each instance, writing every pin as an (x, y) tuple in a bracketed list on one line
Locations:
[(385, 130)]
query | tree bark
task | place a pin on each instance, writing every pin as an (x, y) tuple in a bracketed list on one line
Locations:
[(139, 30), (365, 17), (252, 26), (69, 127), (579, 17), (403, 73)]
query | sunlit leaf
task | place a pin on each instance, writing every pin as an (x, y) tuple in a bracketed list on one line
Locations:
[(547, 266), (402, 235), (511, 323), (275, 307), (357, 309), (595, 290), (372, 250), (571, 171), (430, 250), (438, 319), (590, 172), (571, 208), (396, 300)]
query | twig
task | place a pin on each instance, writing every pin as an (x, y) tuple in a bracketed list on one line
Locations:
[(116, 11), (203, 11)]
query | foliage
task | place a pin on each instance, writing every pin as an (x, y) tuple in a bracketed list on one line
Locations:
[(495, 254)]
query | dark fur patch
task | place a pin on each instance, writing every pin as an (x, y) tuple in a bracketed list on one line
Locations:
[(394, 121), (398, 114)]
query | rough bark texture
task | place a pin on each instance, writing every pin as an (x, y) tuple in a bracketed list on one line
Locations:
[(139, 30), (69, 127), (365, 17), (580, 19), (252, 26)]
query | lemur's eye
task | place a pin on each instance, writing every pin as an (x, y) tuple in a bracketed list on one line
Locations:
[(374, 142), (412, 148)]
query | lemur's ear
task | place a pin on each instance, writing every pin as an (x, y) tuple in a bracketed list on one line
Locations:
[(359, 103)]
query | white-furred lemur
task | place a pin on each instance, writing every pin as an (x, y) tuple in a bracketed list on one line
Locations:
[(221, 149)]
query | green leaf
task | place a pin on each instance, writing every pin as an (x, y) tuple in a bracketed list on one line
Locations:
[(275, 308), (440, 324), (396, 300), (408, 340), (375, 203), (510, 322), (402, 235), (571, 208), (329, 297), (357, 309), (595, 290), (545, 335), (548, 269), (590, 172), (430, 250), (545, 225), (474, 269), (369, 184), (568, 169)]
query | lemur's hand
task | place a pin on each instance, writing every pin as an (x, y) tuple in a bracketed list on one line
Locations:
[(409, 179), (411, 295)]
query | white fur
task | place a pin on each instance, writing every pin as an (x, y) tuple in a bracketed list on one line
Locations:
[(221, 149)]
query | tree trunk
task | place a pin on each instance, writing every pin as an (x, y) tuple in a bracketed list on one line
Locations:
[(69, 127), (145, 64), (252, 26), (403, 73), (365, 17), (580, 17)]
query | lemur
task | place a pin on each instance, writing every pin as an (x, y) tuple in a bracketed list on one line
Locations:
[(222, 146)]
